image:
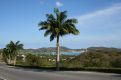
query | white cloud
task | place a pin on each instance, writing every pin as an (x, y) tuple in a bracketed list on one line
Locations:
[(101, 16), (41, 2), (102, 27), (59, 4)]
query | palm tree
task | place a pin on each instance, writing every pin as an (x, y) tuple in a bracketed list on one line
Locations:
[(7, 55), (58, 25), (15, 47)]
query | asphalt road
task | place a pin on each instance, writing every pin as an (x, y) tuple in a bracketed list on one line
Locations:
[(10, 73)]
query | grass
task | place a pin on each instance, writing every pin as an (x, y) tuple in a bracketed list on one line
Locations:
[(106, 70)]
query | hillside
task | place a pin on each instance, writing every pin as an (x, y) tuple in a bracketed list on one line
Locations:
[(99, 57), (50, 49), (104, 48)]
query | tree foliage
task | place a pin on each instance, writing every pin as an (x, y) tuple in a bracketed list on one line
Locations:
[(11, 51), (105, 57), (57, 24)]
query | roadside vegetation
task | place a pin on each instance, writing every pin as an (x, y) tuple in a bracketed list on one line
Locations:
[(94, 59)]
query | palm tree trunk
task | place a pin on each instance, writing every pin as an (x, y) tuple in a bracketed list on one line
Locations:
[(57, 54), (9, 60), (14, 63)]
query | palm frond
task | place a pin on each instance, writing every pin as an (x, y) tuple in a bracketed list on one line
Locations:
[(50, 17), (71, 21), (57, 13), (44, 25), (63, 16), (19, 47), (52, 37), (17, 42), (57, 24), (47, 33)]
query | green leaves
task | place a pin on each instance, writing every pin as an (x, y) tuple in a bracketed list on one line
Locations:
[(71, 21), (52, 37), (56, 10), (47, 33), (12, 49), (57, 24), (63, 16)]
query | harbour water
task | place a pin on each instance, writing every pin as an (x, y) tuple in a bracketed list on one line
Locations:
[(70, 53)]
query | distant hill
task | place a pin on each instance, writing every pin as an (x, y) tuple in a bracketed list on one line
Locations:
[(50, 49), (104, 49), (47, 50), (97, 51), (98, 57)]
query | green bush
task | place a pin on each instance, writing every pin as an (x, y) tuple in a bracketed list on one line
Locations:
[(34, 60), (116, 62)]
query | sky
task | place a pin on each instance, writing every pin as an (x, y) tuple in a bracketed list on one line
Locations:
[(99, 22)]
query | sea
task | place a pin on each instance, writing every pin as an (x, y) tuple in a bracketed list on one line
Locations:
[(69, 53)]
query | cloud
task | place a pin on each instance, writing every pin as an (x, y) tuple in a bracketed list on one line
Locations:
[(104, 15), (101, 27), (41, 2), (59, 4)]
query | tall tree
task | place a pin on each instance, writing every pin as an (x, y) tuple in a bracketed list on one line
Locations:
[(15, 47), (7, 55), (58, 25)]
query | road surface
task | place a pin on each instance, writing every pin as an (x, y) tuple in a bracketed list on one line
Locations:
[(10, 73)]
